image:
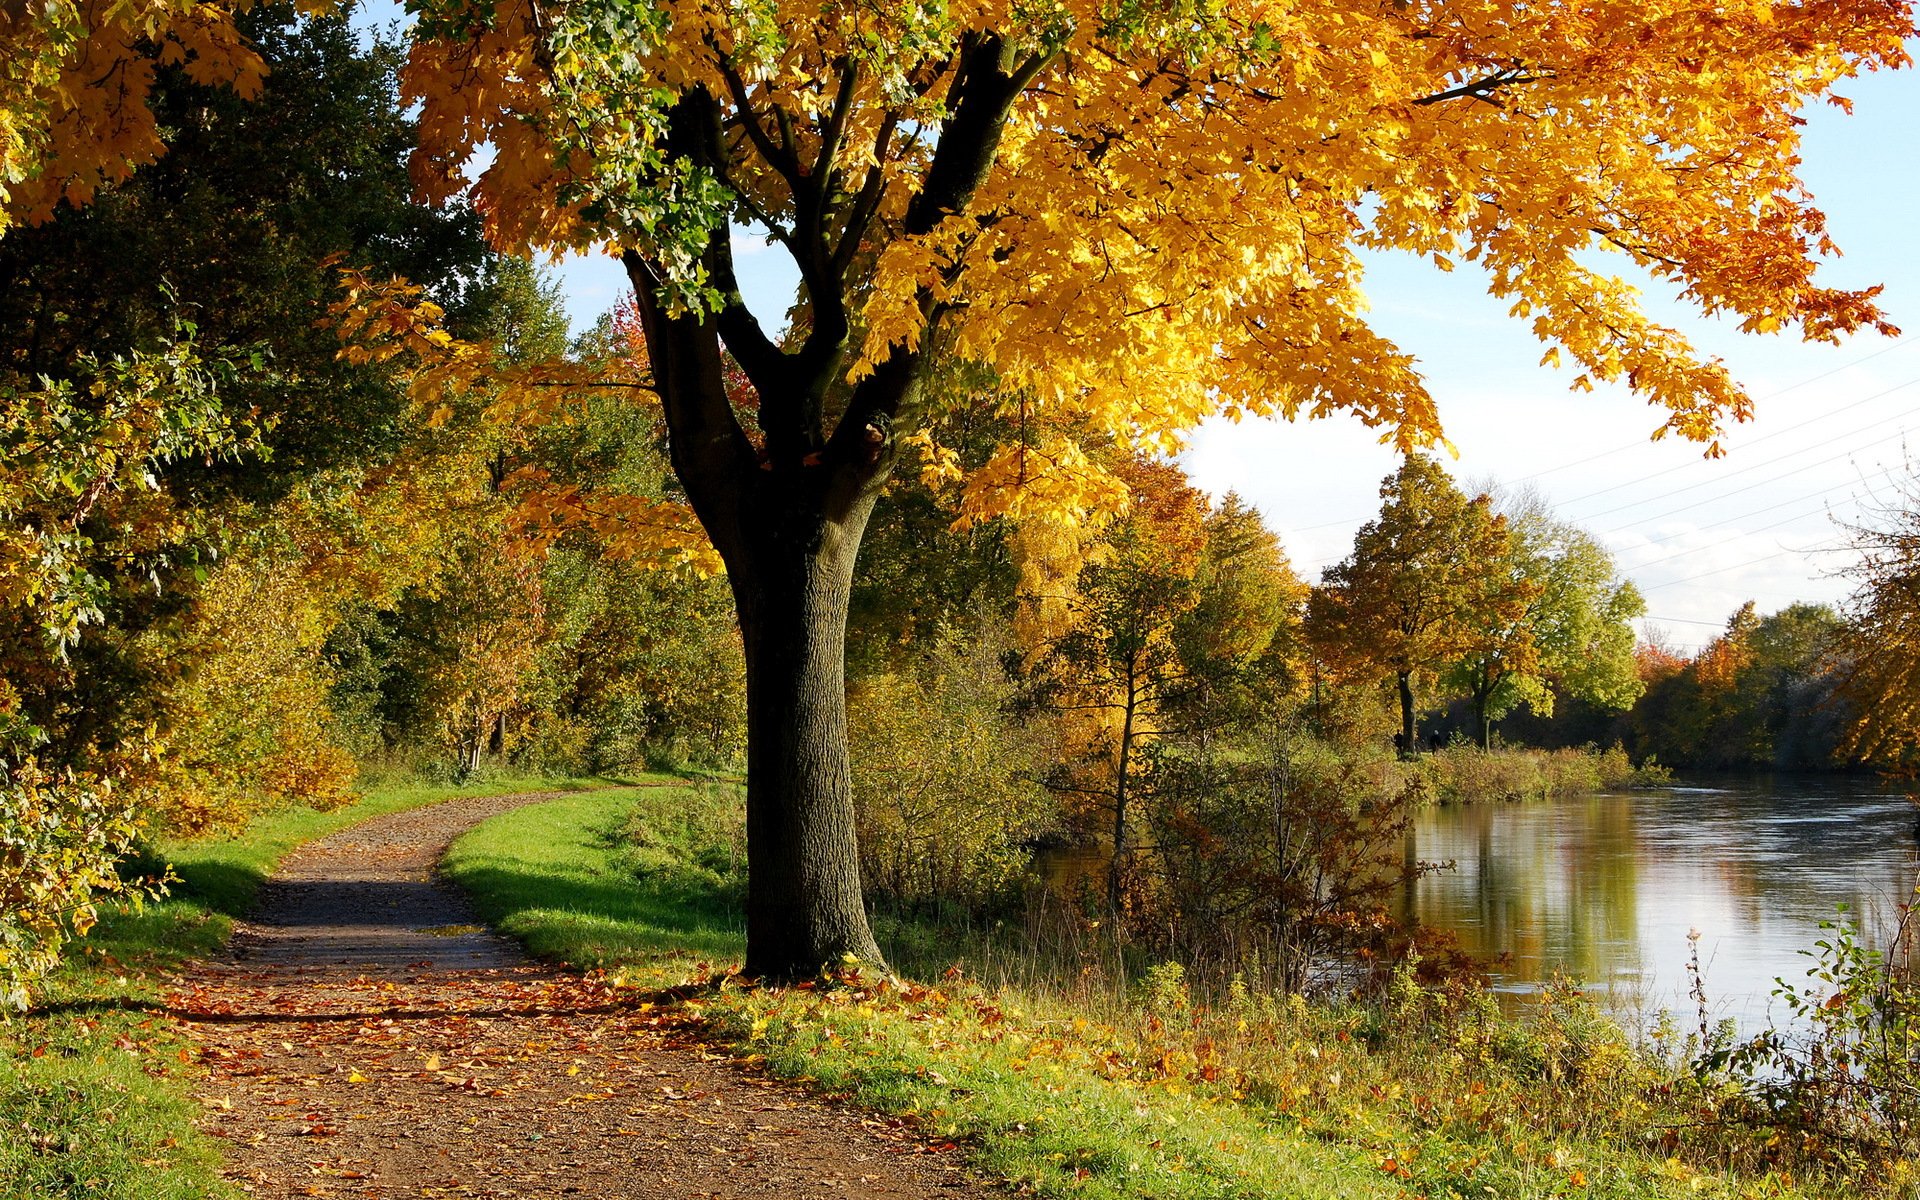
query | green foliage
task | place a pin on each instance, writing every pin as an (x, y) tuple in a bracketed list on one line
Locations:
[(1578, 617), (61, 838), (1460, 773), (945, 783), (1841, 1080), (234, 227)]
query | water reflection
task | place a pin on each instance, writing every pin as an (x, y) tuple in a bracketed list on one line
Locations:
[(1605, 888)]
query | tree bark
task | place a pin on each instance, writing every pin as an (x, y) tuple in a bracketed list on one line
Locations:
[(787, 518), (1117, 864), (805, 910), (1408, 746)]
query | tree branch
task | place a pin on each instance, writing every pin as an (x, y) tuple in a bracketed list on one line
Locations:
[(1485, 88)]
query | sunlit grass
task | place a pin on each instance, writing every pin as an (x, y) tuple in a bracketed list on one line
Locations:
[(1089, 1089)]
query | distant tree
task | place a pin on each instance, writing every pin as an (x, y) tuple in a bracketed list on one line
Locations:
[(1427, 584), (1116, 675), (1881, 671), (1241, 639), (1759, 695), (1574, 635), (1173, 630)]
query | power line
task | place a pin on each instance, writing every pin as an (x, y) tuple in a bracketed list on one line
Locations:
[(1792, 387), (1736, 566), (1852, 433), (1752, 512), (1638, 443), (1654, 562)]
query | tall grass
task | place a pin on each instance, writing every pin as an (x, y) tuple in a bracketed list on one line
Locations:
[(1466, 774)]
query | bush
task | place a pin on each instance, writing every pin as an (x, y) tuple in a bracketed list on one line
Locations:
[(62, 835), (944, 780), (1465, 774), (1841, 1084)]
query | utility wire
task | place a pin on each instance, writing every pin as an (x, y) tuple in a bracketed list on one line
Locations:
[(1641, 442), (1736, 566), (1752, 512), (1792, 387), (1778, 458), (1771, 479)]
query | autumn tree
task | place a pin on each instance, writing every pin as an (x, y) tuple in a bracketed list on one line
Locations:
[(1427, 584), (1572, 637), (1116, 677), (1168, 631), (232, 228), (1087, 200), (1768, 692), (117, 320), (1881, 671)]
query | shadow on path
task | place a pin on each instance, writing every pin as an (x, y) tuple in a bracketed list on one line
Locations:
[(367, 1037)]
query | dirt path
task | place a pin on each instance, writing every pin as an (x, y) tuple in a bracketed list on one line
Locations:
[(367, 1038)]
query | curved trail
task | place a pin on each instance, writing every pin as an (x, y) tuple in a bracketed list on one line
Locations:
[(367, 1038)]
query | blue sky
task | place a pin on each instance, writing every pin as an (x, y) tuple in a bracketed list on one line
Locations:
[(1699, 536)]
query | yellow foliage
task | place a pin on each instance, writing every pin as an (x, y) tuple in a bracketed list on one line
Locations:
[(246, 714), (75, 76), (1169, 214), (387, 321)]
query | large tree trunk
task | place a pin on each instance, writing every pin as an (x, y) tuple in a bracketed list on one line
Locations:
[(786, 507), (804, 905)]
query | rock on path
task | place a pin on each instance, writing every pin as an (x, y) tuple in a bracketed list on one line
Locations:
[(367, 1038)]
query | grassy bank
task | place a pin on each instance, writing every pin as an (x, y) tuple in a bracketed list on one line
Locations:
[(94, 1087), (1465, 774), (1084, 1091)]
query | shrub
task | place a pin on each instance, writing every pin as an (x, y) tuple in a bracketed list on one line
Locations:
[(61, 837), (944, 785), (1841, 1083)]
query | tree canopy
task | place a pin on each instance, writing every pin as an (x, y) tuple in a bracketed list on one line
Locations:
[(1127, 217), (1141, 215)]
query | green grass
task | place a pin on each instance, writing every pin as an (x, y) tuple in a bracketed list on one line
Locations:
[(621, 878), (94, 1084), (225, 874), (1067, 1093)]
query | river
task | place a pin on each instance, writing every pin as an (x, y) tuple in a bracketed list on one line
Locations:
[(1605, 888)]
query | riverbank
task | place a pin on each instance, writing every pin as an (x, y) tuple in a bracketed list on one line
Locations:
[(1462, 773), (1082, 1088)]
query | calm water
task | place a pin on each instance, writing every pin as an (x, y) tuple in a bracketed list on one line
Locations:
[(1605, 888)]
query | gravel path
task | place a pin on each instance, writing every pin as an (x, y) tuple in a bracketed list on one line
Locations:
[(367, 1038)]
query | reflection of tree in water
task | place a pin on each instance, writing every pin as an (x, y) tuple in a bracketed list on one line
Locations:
[(1605, 888), (1538, 887)]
